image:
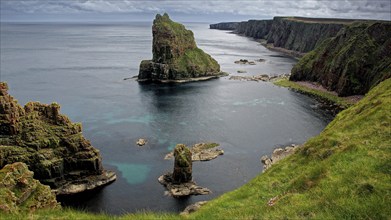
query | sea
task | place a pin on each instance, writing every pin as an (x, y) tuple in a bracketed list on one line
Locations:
[(85, 68)]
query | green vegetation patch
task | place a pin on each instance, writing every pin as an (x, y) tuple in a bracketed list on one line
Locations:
[(328, 96)]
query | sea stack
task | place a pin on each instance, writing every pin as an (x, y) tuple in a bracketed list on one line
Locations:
[(180, 182), (176, 57)]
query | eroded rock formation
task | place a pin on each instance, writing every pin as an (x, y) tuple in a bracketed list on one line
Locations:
[(180, 183), (176, 56), (50, 144), (19, 191)]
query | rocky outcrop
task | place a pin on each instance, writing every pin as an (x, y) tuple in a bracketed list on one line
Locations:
[(228, 26), (201, 152), (20, 192), (352, 62), (193, 207), (176, 55), (277, 155), (180, 183), (50, 144), (258, 29)]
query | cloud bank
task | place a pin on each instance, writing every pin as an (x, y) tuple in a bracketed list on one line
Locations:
[(365, 9)]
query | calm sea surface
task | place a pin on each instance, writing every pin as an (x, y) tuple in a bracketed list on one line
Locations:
[(82, 67)]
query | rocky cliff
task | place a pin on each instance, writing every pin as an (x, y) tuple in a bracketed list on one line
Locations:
[(228, 26), (352, 62), (296, 34), (302, 35), (50, 144), (19, 191), (175, 54), (258, 29)]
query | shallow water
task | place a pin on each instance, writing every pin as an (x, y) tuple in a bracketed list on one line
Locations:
[(82, 67)]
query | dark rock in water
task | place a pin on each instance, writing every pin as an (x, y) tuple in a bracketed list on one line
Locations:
[(175, 55), (183, 164), (352, 62), (50, 144), (20, 192), (180, 183)]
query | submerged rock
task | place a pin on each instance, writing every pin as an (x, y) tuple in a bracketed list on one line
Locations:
[(50, 144), (176, 57), (19, 191)]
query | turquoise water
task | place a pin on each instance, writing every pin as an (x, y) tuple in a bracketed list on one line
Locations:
[(82, 67)]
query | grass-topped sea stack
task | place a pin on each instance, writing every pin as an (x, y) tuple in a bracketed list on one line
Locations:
[(176, 57)]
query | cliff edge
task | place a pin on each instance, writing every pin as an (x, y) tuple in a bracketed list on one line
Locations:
[(50, 144), (176, 55)]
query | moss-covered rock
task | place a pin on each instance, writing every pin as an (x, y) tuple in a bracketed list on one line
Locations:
[(49, 143), (352, 62), (19, 191), (175, 54), (182, 165)]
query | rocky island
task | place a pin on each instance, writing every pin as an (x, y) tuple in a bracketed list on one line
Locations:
[(176, 57), (50, 145)]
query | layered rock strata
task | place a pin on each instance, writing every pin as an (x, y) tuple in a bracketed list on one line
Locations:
[(50, 144), (20, 192), (176, 57)]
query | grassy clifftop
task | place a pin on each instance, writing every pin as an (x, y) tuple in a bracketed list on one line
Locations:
[(345, 172)]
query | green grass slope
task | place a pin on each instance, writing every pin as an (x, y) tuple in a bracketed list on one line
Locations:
[(344, 173)]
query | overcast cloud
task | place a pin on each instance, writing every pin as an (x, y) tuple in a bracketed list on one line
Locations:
[(195, 10)]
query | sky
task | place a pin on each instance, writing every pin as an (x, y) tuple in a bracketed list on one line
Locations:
[(189, 11)]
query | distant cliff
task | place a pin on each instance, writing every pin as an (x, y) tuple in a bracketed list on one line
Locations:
[(254, 28), (297, 34), (352, 62), (224, 26)]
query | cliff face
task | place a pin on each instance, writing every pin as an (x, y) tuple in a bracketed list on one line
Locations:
[(50, 144), (254, 28), (229, 26), (175, 54), (352, 62), (297, 34), (300, 35), (19, 191)]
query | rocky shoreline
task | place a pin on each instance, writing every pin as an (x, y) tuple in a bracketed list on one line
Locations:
[(277, 155), (50, 144)]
